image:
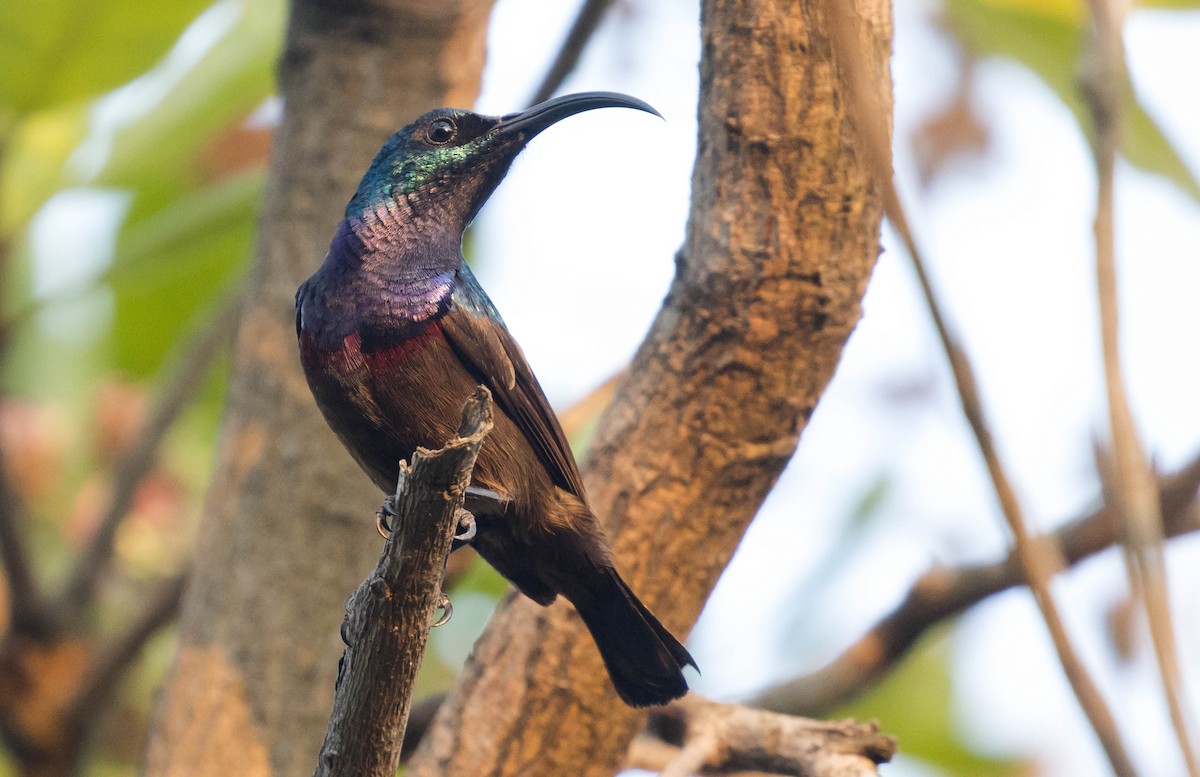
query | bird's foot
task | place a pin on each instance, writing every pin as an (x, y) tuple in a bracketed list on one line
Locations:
[(384, 516), (467, 528), (387, 511), (443, 604), (475, 498)]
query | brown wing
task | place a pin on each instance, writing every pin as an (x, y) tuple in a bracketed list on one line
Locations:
[(493, 357)]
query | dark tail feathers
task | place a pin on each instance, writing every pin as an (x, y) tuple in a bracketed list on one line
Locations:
[(644, 660)]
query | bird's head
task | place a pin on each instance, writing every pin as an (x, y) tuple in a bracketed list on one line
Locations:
[(448, 162)]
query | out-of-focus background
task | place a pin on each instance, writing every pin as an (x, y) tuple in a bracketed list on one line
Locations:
[(132, 147)]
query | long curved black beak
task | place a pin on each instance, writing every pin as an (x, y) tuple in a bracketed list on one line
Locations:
[(531, 121)]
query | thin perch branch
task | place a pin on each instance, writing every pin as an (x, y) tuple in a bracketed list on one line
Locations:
[(27, 607), (389, 616), (1038, 557), (110, 662), (942, 593), (581, 32), (1131, 478), (175, 396)]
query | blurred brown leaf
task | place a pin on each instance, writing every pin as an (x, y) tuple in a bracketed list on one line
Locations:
[(83, 518), (237, 148), (34, 439), (37, 683), (147, 539), (954, 131), (120, 409)]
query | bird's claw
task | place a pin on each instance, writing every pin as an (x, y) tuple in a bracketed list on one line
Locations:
[(443, 603), (386, 511), (467, 527)]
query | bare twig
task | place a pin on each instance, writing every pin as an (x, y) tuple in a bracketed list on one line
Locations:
[(26, 605), (942, 593), (174, 397), (1132, 480), (1040, 559), (110, 662), (703, 737), (388, 618), (581, 32)]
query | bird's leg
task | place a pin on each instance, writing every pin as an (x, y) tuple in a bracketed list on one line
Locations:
[(485, 500), (478, 500), (475, 499)]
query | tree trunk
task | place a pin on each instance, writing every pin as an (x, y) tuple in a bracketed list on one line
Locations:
[(782, 237), (287, 533)]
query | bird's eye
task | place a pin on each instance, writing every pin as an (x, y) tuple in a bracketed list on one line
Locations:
[(441, 132)]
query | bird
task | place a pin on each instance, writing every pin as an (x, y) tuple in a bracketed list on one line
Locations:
[(395, 332)]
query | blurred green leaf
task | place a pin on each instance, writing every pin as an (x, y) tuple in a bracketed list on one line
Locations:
[(482, 578), (189, 229), (160, 153), (914, 704), (31, 167), (174, 265), (65, 51), (1048, 38)]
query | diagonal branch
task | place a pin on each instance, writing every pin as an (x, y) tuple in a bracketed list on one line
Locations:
[(582, 29), (178, 391), (26, 604), (111, 661), (942, 593), (1039, 559), (28, 609), (1131, 476)]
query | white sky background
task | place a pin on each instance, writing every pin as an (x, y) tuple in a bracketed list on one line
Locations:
[(584, 231)]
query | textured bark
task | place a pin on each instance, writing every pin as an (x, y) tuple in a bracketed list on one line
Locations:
[(782, 237), (288, 531)]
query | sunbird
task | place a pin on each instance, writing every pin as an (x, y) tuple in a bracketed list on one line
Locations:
[(395, 333)]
